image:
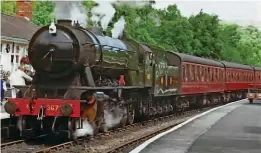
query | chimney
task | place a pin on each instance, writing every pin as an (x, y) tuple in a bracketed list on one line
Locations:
[(24, 9), (66, 22)]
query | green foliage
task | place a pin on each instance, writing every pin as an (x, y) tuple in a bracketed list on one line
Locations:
[(88, 5), (8, 7), (200, 35), (42, 12)]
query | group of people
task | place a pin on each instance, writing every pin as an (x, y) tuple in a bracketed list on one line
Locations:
[(18, 77)]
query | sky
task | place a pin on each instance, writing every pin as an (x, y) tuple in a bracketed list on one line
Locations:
[(243, 12)]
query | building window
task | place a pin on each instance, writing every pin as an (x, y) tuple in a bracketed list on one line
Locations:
[(17, 58), (7, 48), (12, 58), (17, 49)]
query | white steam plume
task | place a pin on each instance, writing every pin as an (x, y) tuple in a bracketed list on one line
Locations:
[(133, 3), (118, 28), (113, 118), (86, 130), (105, 11), (73, 10)]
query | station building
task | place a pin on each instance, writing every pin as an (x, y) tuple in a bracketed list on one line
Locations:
[(16, 32)]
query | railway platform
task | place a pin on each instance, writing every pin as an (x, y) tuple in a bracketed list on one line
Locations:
[(232, 128)]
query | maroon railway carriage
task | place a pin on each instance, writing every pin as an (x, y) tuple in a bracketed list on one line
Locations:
[(200, 75), (254, 92), (238, 79), (238, 76), (257, 81)]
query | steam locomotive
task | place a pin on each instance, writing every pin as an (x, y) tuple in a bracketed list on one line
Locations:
[(84, 79)]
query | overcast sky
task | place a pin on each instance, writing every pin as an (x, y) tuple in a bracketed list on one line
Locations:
[(242, 11)]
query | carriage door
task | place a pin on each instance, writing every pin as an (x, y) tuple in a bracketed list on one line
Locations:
[(148, 68)]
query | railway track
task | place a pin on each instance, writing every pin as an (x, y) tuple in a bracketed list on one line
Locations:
[(27, 146), (122, 138), (10, 143)]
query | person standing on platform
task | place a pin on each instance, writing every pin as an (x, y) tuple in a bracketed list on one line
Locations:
[(18, 77), (3, 89)]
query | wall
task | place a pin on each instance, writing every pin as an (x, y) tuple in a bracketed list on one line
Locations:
[(10, 60)]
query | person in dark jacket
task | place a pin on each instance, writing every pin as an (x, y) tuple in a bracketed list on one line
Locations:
[(3, 89)]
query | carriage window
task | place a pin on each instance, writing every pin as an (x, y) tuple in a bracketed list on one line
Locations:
[(206, 74), (192, 72), (202, 73), (211, 75), (197, 73), (187, 73), (227, 76), (184, 73), (217, 75)]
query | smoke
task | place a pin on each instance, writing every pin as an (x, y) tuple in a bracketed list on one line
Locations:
[(95, 19), (104, 11), (73, 10), (86, 130), (113, 117), (134, 3), (118, 28)]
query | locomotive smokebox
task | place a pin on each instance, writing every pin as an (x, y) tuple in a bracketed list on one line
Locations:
[(66, 22)]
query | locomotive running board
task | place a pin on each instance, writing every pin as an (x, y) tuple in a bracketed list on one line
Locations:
[(83, 87), (105, 87)]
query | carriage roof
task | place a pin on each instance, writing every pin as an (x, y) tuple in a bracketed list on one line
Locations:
[(198, 60), (236, 65)]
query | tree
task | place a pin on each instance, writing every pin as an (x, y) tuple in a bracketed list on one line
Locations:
[(200, 35), (8, 7), (42, 12), (206, 34)]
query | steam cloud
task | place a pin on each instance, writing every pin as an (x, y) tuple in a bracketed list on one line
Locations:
[(71, 10), (113, 118), (118, 28), (104, 13), (86, 130)]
